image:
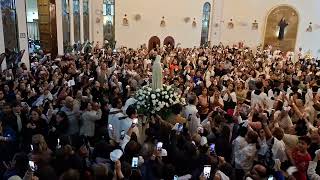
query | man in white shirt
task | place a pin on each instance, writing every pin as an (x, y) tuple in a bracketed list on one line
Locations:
[(126, 123), (113, 120), (258, 97), (190, 112)]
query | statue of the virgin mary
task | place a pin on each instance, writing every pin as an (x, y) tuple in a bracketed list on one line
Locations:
[(157, 74)]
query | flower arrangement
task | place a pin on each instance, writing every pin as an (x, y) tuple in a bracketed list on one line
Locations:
[(157, 101)]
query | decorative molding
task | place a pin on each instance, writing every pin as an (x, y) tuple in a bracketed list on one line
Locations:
[(186, 19), (137, 17), (242, 23)]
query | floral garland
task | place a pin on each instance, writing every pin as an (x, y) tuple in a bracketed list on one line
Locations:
[(157, 101)]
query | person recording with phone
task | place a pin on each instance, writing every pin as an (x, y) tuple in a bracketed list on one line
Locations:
[(130, 121)]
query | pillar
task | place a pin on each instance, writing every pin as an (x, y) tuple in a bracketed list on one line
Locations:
[(59, 15), (90, 20), (71, 22), (2, 45), (23, 31), (81, 22)]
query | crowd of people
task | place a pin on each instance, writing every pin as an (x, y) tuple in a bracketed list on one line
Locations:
[(250, 114)]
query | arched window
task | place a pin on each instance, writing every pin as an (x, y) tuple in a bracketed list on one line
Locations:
[(108, 22), (205, 23)]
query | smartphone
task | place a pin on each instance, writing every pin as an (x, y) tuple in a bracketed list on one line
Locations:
[(135, 121), (135, 161), (159, 146), (207, 171), (270, 178), (122, 134), (33, 166), (212, 148), (180, 127), (110, 127)]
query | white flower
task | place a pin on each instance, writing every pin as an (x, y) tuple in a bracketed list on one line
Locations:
[(138, 106), (166, 97), (158, 95), (153, 96), (152, 111), (167, 104), (140, 98), (158, 90), (168, 87), (171, 95), (149, 89)]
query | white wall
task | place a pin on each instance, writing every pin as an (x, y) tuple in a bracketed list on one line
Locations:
[(151, 11), (249, 10)]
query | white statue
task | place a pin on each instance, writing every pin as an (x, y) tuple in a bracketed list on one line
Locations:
[(157, 74)]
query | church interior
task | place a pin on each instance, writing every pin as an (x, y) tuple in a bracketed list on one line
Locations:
[(159, 89)]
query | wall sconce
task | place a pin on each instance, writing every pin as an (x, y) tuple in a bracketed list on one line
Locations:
[(125, 20), (194, 23), (255, 25), (309, 29), (230, 24), (163, 22)]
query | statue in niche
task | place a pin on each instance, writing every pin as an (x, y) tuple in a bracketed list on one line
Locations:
[(282, 25)]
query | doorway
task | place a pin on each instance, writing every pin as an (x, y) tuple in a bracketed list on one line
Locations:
[(169, 41), (48, 26), (154, 43), (282, 28)]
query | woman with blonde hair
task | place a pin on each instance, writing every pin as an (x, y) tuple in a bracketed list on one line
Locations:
[(40, 153)]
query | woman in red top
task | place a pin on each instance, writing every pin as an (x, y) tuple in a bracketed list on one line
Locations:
[(300, 157)]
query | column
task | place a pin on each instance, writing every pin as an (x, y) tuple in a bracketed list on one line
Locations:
[(23, 31), (81, 21), (71, 23), (59, 27), (2, 45), (90, 21)]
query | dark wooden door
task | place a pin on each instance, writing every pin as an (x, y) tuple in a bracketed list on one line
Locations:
[(48, 26), (154, 41)]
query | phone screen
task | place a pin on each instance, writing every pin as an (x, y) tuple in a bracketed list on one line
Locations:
[(31, 147), (175, 177), (33, 167), (270, 178), (159, 146), (122, 134), (206, 171), (110, 127), (135, 161), (212, 146), (135, 121), (180, 127)]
